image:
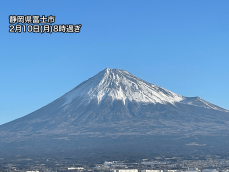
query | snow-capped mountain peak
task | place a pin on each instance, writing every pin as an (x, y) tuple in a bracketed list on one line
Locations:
[(120, 85)]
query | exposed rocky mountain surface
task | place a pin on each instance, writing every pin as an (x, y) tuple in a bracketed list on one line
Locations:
[(116, 109)]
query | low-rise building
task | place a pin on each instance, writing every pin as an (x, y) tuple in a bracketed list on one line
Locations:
[(124, 170)]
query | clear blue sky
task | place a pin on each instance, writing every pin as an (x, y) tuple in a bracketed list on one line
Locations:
[(182, 46)]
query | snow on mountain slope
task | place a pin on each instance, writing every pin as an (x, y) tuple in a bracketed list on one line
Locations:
[(120, 85)]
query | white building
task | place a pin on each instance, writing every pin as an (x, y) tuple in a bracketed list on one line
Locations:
[(75, 168), (209, 170), (151, 170), (124, 170), (172, 170)]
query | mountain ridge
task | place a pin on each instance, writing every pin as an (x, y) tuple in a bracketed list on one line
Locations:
[(116, 75)]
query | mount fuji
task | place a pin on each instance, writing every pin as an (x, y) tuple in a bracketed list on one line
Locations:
[(115, 112)]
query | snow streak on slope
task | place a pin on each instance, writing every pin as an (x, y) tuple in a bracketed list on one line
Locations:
[(120, 85)]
